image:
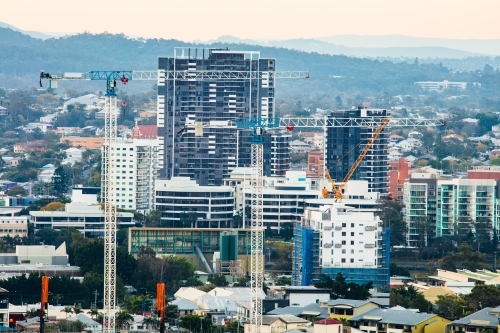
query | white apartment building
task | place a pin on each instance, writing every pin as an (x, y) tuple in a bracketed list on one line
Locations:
[(83, 213), (450, 206), (134, 174), (184, 203), (284, 198), (337, 238), (440, 86)]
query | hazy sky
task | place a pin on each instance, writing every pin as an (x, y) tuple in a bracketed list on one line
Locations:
[(258, 19)]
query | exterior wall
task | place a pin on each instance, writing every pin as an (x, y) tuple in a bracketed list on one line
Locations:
[(303, 299), (213, 207), (420, 201), (83, 142), (14, 226), (210, 158), (484, 172), (399, 172), (330, 328), (89, 224), (316, 164), (347, 313), (136, 168), (339, 140), (276, 153)]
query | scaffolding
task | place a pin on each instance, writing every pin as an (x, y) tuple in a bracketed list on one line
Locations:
[(232, 268)]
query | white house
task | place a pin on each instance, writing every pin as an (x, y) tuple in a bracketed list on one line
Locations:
[(89, 324)]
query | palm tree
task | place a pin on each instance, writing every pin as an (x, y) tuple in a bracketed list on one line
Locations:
[(93, 312), (123, 317), (31, 313), (67, 309), (77, 309), (150, 322)]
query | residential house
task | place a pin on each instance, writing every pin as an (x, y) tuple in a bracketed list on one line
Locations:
[(25, 147), (347, 308), (89, 325), (185, 306), (189, 293), (484, 320), (278, 323), (398, 320), (300, 147), (453, 136), (328, 325), (308, 312), (300, 296)]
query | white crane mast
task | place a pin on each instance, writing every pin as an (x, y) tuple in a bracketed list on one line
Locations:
[(109, 305)]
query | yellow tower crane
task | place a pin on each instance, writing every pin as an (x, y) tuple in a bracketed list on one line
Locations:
[(337, 191)]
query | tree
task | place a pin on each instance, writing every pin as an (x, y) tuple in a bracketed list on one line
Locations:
[(482, 296), (77, 309), (31, 313), (283, 281), (471, 260), (495, 161), (60, 181), (193, 282), (153, 219), (449, 306), (448, 264), (218, 280), (123, 319), (17, 190), (391, 214), (409, 297), (396, 270), (67, 309), (54, 207), (93, 312), (194, 323), (70, 326), (341, 289)]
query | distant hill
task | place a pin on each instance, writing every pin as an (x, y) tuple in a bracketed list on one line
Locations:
[(34, 34), (338, 48), (481, 46), (22, 57)]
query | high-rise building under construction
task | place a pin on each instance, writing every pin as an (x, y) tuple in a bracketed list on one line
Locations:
[(344, 144), (209, 153)]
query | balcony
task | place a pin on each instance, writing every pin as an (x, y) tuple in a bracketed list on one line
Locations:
[(338, 228), (338, 246), (327, 228), (370, 228), (327, 245), (369, 246)]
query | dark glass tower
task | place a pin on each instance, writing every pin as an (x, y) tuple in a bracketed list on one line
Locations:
[(344, 144), (209, 157)]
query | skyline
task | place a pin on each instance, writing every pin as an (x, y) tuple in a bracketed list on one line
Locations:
[(260, 19)]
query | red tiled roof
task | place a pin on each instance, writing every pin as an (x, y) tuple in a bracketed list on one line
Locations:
[(328, 321), (144, 132)]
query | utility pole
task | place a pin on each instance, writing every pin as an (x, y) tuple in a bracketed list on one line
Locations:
[(95, 298)]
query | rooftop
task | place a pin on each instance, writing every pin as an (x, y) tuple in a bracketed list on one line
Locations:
[(349, 302), (487, 317), (394, 316)]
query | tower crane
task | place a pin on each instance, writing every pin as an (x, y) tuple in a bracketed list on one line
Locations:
[(258, 126), (112, 77), (338, 190)]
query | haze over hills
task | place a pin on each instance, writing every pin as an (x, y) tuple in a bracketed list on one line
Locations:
[(22, 57), (319, 46), (34, 34)]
